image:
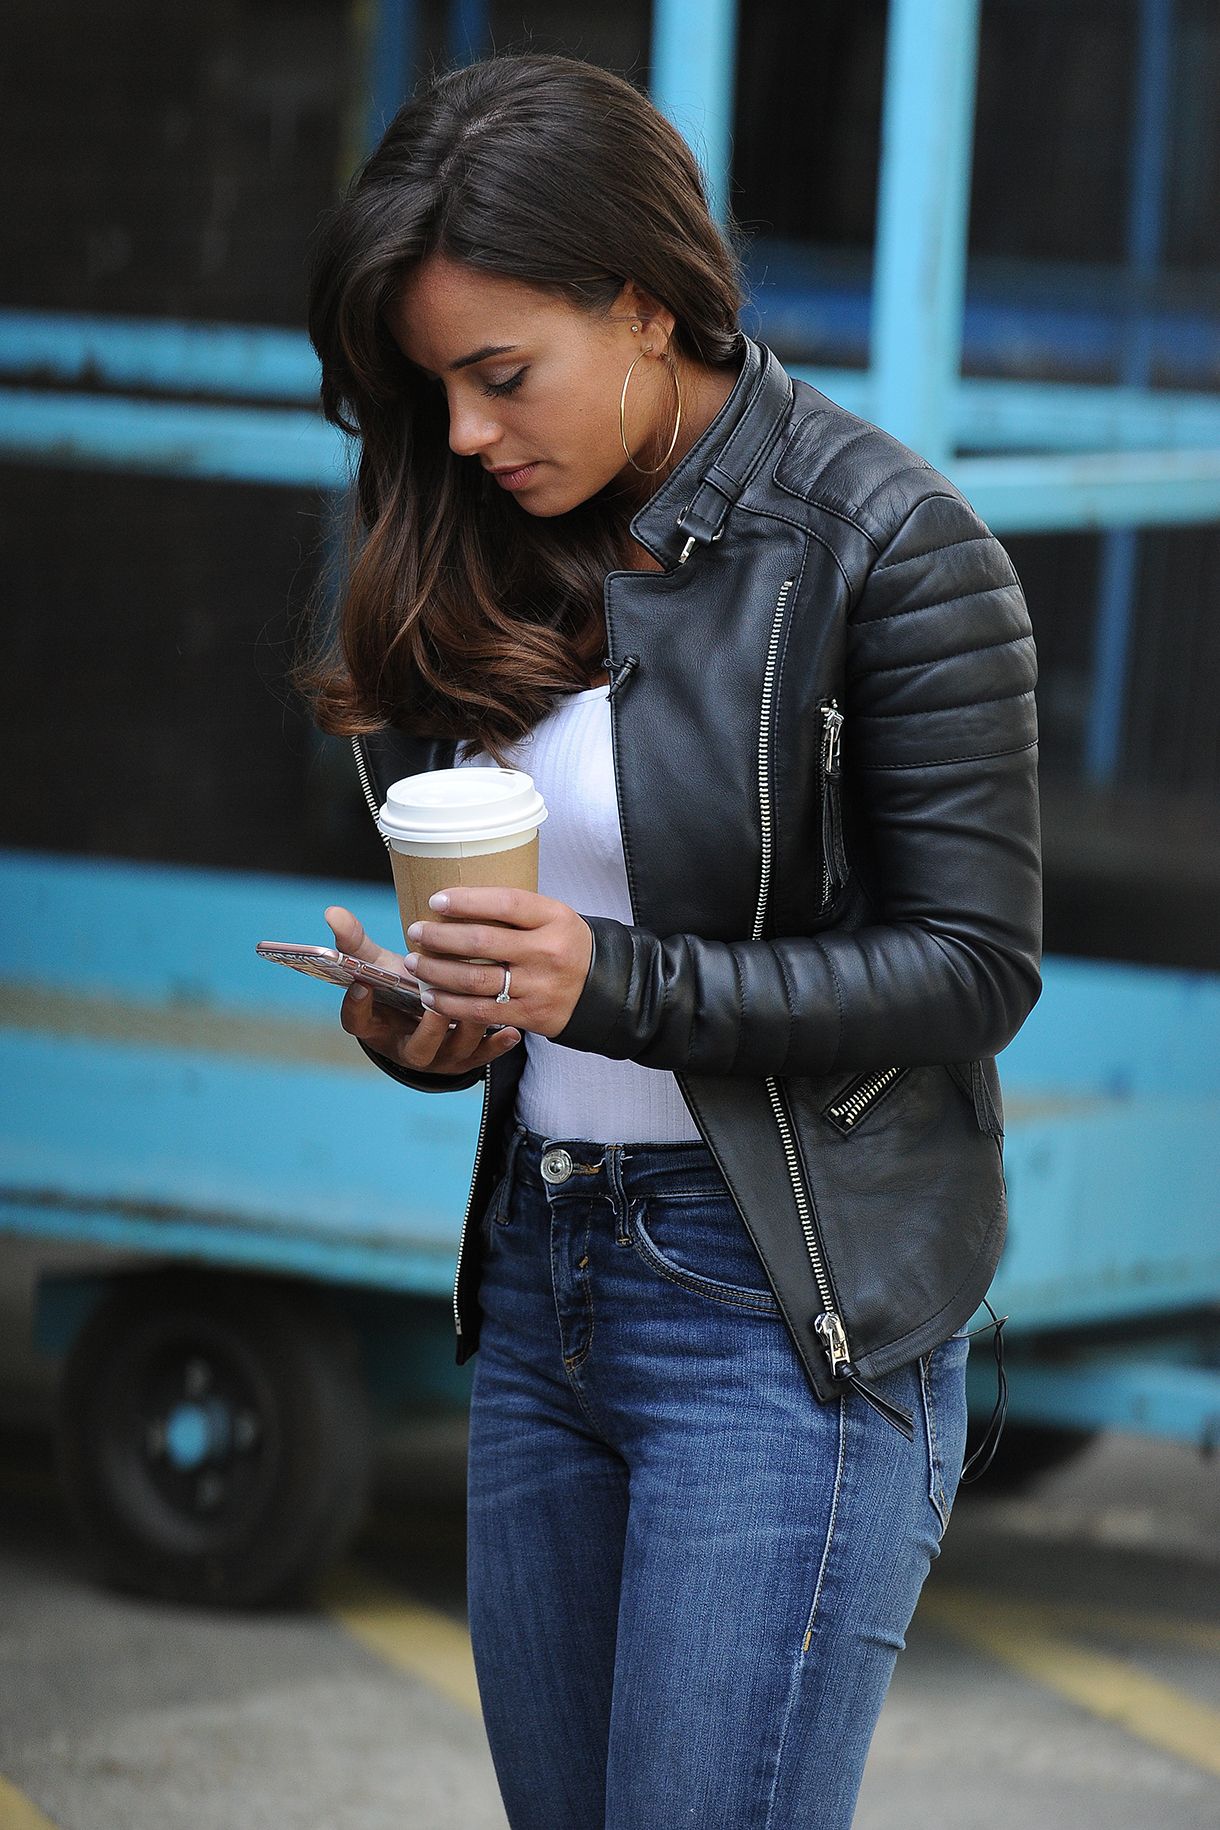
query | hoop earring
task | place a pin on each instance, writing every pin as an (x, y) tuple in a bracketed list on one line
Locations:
[(622, 421)]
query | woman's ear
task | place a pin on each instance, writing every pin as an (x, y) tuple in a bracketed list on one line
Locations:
[(649, 314)]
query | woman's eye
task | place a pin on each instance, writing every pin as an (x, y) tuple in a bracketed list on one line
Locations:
[(505, 387)]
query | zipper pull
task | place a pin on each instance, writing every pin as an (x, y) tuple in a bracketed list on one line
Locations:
[(834, 1345), (834, 1342), (832, 726), (617, 679)]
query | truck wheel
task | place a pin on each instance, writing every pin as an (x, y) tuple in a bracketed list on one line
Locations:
[(213, 1438), (1027, 1450)]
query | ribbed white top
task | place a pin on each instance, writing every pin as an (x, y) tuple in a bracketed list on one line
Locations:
[(567, 1092)]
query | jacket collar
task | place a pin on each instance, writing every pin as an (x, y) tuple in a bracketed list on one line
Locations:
[(690, 507)]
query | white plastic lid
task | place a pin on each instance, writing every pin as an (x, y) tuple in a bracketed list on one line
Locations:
[(450, 805)]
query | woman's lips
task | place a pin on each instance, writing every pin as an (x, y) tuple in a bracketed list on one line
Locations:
[(514, 479)]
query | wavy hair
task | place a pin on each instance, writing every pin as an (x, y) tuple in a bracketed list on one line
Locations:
[(458, 615)]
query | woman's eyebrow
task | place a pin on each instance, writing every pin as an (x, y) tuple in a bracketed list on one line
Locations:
[(478, 355)]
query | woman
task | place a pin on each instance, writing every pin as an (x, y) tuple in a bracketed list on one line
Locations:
[(738, 1178)]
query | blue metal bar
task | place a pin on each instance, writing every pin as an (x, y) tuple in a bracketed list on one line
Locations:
[(264, 445), (1002, 416), (1021, 318), (469, 30), (1145, 223), (1154, 1397), (254, 360), (204, 1239), (1091, 489), (392, 61), (693, 61), (267, 363), (250, 444), (922, 218)]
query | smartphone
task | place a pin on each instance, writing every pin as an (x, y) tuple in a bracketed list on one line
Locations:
[(396, 988)]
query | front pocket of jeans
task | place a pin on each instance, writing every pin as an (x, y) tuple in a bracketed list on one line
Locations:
[(700, 1242), (944, 1416)]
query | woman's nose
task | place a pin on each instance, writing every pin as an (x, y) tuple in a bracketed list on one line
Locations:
[(471, 431)]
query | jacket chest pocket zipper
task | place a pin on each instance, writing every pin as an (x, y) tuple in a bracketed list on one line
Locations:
[(857, 1100), (834, 851)]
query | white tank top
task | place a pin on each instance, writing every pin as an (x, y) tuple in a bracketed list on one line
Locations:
[(568, 1092)]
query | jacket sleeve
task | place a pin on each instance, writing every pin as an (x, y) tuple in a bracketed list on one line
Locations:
[(423, 1083), (940, 736)]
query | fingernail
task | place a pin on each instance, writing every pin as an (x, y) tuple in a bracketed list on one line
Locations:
[(415, 932), (428, 998), (439, 902), (359, 993)]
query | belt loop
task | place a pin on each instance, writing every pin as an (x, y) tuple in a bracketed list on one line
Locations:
[(614, 1174)]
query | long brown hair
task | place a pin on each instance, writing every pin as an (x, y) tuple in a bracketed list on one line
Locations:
[(458, 614)]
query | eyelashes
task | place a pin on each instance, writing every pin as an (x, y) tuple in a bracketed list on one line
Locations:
[(493, 388), (505, 387)]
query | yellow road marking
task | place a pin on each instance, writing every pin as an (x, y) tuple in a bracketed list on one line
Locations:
[(1096, 1617), (1130, 1623), (17, 1813), (413, 1638), (1108, 1687)]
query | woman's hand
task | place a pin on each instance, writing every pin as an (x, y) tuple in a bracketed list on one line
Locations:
[(546, 945), (427, 1044)]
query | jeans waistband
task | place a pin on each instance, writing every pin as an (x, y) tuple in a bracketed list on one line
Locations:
[(559, 1166)]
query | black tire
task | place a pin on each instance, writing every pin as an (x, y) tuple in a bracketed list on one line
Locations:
[(1027, 1450), (213, 1438)]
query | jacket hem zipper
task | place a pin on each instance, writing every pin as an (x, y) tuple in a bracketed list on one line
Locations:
[(828, 1325)]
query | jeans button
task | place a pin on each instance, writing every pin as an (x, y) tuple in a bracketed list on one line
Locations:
[(556, 1166)]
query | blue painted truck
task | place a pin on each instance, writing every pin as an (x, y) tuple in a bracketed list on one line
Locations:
[(270, 1226)]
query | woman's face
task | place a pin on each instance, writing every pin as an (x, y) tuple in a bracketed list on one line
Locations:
[(532, 380)]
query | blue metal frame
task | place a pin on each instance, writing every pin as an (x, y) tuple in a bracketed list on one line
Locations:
[(693, 64), (919, 271), (1102, 456), (1145, 230)]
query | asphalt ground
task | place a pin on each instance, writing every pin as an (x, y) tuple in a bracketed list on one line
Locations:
[(1063, 1668)]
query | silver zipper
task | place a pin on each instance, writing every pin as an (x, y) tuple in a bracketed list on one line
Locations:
[(832, 738), (369, 796), (764, 728), (830, 1324), (851, 1106)]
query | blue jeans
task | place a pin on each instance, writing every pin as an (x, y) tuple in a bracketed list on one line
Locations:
[(688, 1578)]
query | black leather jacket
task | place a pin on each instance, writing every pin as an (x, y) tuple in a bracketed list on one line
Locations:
[(825, 748)]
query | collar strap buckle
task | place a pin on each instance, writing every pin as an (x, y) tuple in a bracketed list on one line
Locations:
[(698, 530)]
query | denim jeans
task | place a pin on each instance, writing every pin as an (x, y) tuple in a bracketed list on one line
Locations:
[(688, 1578)]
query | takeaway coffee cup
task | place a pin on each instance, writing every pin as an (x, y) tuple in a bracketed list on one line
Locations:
[(451, 826)]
